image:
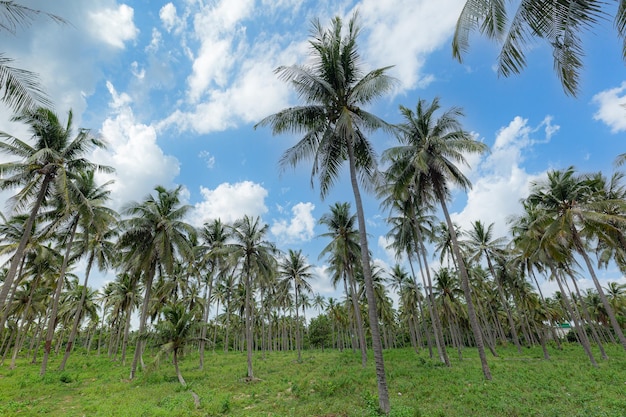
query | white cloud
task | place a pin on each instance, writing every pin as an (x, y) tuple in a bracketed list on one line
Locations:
[(501, 181), (230, 202), (133, 151), (612, 111), (299, 227), (114, 26), (404, 32), (383, 243), (209, 159)]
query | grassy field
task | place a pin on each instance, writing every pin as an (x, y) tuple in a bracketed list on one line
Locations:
[(329, 384)]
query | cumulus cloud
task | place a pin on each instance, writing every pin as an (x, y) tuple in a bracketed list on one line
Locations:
[(612, 110), (230, 202), (396, 39), (299, 227), (133, 151), (114, 26), (501, 180)]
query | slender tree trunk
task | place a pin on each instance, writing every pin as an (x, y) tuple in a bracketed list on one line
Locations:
[(55, 301), (178, 374), (357, 316), (383, 392), (205, 318), (19, 252), (478, 337), (582, 336), (587, 317), (142, 320), (79, 310), (248, 321), (605, 301), (434, 314), (505, 304), (129, 310)]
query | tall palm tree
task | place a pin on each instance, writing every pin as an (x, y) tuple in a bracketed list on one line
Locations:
[(482, 244), (295, 269), (96, 219), (344, 251), (334, 125), (429, 149), (154, 236), (256, 257), (214, 236), (573, 215), (43, 168), (515, 25)]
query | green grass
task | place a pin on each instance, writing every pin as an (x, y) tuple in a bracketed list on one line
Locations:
[(329, 384)]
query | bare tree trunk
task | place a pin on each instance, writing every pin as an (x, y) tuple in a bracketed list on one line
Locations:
[(55, 301), (471, 312), (383, 392)]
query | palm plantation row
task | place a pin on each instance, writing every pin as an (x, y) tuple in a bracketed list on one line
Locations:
[(169, 273)]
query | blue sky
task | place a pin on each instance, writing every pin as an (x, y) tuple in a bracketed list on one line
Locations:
[(176, 88)]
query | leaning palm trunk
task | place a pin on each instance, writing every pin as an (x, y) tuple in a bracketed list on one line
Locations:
[(205, 319), (434, 314), (55, 301), (383, 393), (605, 301), (142, 321), (582, 335), (471, 312), (79, 310), (505, 304), (587, 317), (19, 252)]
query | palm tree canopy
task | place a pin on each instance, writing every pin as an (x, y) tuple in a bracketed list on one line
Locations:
[(516, 24), (335, 89), (19, 88)]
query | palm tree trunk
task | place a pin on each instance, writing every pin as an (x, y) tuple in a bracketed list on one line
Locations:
[(605, 301), (471, 312), (248, 321), (19, 252), (505, 304), (594, 332), (126, 332), (383, 392), (178, 374), (55, 301), (142, 320), (79, 310), (205, 318), (357, 316), (582, 336), (434, 314)]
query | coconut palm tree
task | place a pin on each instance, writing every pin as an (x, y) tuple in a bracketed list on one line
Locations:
[(481, 243), (155, 236), (255, 256), (430, 148), (176, 330), (96, 219), (344, 251), (214, 236), (295, 269), (334, 123), (43, 168), (573, 215), (515, 25)]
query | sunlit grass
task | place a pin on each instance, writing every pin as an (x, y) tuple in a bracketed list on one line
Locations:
[(326, 384)]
